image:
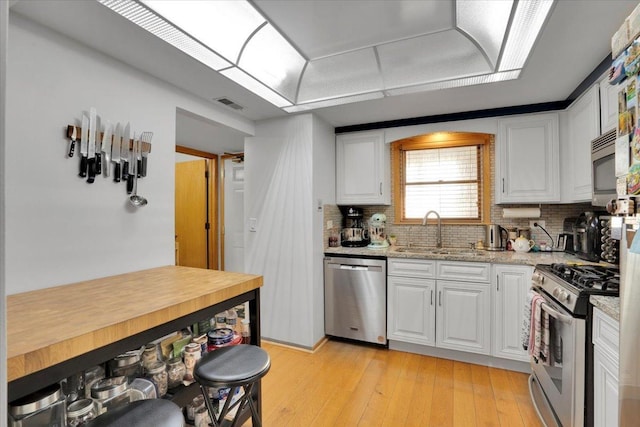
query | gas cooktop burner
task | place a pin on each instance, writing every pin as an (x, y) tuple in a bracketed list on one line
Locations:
[(588, 277)]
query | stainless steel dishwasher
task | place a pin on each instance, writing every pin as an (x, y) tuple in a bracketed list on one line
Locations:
[(355, 298)]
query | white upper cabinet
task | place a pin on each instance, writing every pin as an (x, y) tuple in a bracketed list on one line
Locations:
[(363, 169), (528, 159), (608, 104), (583, 126)]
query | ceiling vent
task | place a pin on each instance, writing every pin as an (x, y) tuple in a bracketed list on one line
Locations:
[(229, 103)]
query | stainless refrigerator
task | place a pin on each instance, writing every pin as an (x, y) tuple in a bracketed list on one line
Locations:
[(629, 374)]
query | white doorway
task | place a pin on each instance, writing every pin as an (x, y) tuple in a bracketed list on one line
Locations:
[(232, 221)]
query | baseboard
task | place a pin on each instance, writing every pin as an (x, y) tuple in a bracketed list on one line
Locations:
[(461, 356), (312, 350)]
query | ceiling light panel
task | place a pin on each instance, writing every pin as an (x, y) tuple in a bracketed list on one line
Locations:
[(527, 23), (430, 58), (157, 26), (223, 25), (248, 82), (326, 28), (448, 84), (340, 75), (271, 59), (485, 21), (333, 102)]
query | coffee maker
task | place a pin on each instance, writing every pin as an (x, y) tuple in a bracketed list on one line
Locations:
[(354, 234)]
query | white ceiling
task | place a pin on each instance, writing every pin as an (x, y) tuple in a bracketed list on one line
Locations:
[(574, 41)]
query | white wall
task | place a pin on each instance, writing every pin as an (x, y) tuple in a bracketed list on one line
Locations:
[(4, 35), (280, 195), (59, 228), (324, 189)]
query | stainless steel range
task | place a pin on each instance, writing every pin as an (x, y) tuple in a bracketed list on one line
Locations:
[(562, 383)]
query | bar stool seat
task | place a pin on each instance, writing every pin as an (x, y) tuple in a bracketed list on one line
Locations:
[(141, 413), (234, 367)]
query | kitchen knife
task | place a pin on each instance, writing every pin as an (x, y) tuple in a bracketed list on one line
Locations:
[(72, 146), (106, 147), (138, 155), (97, 141), (91, 155), (133, 162), (124, 152), (84, 142), (115, 152)]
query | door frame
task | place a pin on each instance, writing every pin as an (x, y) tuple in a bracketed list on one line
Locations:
[(225, 157), (212, 202)]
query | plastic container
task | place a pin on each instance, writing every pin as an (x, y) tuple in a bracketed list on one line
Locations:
[(81, 412), (113, 392), (46, 407), (232, 321), (145, 388), (219, 337)]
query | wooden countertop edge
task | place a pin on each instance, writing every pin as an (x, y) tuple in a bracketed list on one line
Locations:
[(32, 361)]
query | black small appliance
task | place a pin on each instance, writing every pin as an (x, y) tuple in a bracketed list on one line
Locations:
[(354, 232)]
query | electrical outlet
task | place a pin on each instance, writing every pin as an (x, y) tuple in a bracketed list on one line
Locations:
[(329, 225), (537, 221)]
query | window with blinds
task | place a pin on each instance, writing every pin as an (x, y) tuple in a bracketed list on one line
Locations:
[(445, 172)]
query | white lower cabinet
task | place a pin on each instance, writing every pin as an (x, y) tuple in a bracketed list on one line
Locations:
[(510, 288), (435, 311), (605, 369)]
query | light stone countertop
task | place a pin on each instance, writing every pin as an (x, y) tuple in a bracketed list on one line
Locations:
[(462, 254), (609, 305)]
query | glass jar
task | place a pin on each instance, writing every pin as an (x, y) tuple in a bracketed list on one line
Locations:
[(202, 418), (192, 354), (46, 407), (110, 393), (127, 364), (176, 371), (149, 355), (157, 373), (193, 406), (202, 340), (246, 331), (80, 412)]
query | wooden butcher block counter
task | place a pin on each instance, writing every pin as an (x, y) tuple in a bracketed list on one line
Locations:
[(55, 332)]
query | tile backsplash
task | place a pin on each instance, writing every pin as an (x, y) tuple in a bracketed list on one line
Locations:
[(462, 235)]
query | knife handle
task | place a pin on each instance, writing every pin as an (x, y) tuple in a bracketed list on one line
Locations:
[(130, 183), (98, 163), (143, 169), (116, 173), (91, 165), (125, 170), (139, 168), (83, 167), (72, 148)]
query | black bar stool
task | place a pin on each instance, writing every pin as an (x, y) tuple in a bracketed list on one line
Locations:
[(141, 413), (234, 367)]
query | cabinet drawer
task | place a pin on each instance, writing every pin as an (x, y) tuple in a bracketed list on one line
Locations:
[(464, 271), (605, 332), (411, 268)]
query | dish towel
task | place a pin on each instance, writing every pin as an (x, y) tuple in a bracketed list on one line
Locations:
[(525, 332), (544, 343), (535, 334)]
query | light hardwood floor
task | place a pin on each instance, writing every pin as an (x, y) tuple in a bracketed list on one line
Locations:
[(344, 384)]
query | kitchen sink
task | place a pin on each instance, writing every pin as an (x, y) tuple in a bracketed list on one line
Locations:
[(440, 251)]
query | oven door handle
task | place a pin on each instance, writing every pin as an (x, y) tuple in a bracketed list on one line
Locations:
[(556, 314)]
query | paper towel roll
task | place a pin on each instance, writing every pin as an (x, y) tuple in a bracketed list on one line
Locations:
[(521, 212)]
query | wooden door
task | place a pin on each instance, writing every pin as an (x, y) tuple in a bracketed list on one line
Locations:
[(191, 214)]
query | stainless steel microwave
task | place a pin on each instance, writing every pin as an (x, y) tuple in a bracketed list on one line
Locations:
[(603, 171)]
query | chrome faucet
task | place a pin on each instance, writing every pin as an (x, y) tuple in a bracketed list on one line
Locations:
[(439, 235)]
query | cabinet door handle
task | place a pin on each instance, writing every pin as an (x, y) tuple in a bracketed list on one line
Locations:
[(503, 185), (381, 188), (440, 298), (498, 283), (431, 296)]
